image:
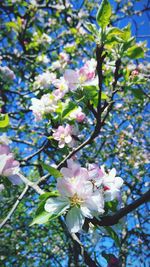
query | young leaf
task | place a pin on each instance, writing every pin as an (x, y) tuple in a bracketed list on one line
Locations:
[(70, 107), (4, 120), (104, 13), (54, 172), (135, 52), (41, 218), (91, 28)]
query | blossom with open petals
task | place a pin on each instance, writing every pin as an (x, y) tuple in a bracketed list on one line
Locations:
[(111, 185), (83, 76), (46, 104), (44, 80), (63, 135), (77, 197)]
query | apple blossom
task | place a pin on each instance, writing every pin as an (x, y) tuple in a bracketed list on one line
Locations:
[(72, 78), (77, 114), (64, 56), (111, 184), (87, 72), (82, 76), (95, 174), (42, 106), (63, 135), (44, 80), (77, 197), (62, 87), (9, 167)]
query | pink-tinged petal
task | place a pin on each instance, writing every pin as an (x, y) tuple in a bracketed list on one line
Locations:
[(66, 172), (4, 149), (72, 79), (56, 205), (80, 117), (3, 160), (83, 174), (65, 187), (74, 166), (84, 189), (74, 220)]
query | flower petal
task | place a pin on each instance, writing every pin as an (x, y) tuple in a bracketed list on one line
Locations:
[(57, 205), (75, 220), (86, 211)]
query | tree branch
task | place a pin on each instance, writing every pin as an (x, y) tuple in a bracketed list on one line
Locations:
[(114, 219)]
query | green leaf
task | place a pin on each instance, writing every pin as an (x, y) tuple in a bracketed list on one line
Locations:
[(91, 28), (104, 96), (113, 31), (41, 218), (138, 93), (126, 33), (113, 235), (68, 109), (135, 52), (54, 172), (4, 120), (104, 13), (46, 195)]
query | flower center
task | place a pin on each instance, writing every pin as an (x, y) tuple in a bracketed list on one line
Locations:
[(75, 200)]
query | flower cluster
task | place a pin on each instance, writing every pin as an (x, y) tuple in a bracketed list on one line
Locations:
[(9, 167), (83, 192), (46, 104), (69, 82), (44, 80)]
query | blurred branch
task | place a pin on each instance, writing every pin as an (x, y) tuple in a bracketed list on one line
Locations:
[(14, 206)]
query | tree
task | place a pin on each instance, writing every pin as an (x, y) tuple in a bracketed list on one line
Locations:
[(74, 97)]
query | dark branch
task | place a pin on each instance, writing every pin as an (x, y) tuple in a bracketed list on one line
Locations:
[(114, 219)]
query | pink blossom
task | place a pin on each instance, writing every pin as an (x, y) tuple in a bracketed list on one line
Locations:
[(9, 167), (82, 76), (77, 114), (62, 88), (64, 56), (87, 72), (72, 79), (77, 195), (95, 174), (63, 135)]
